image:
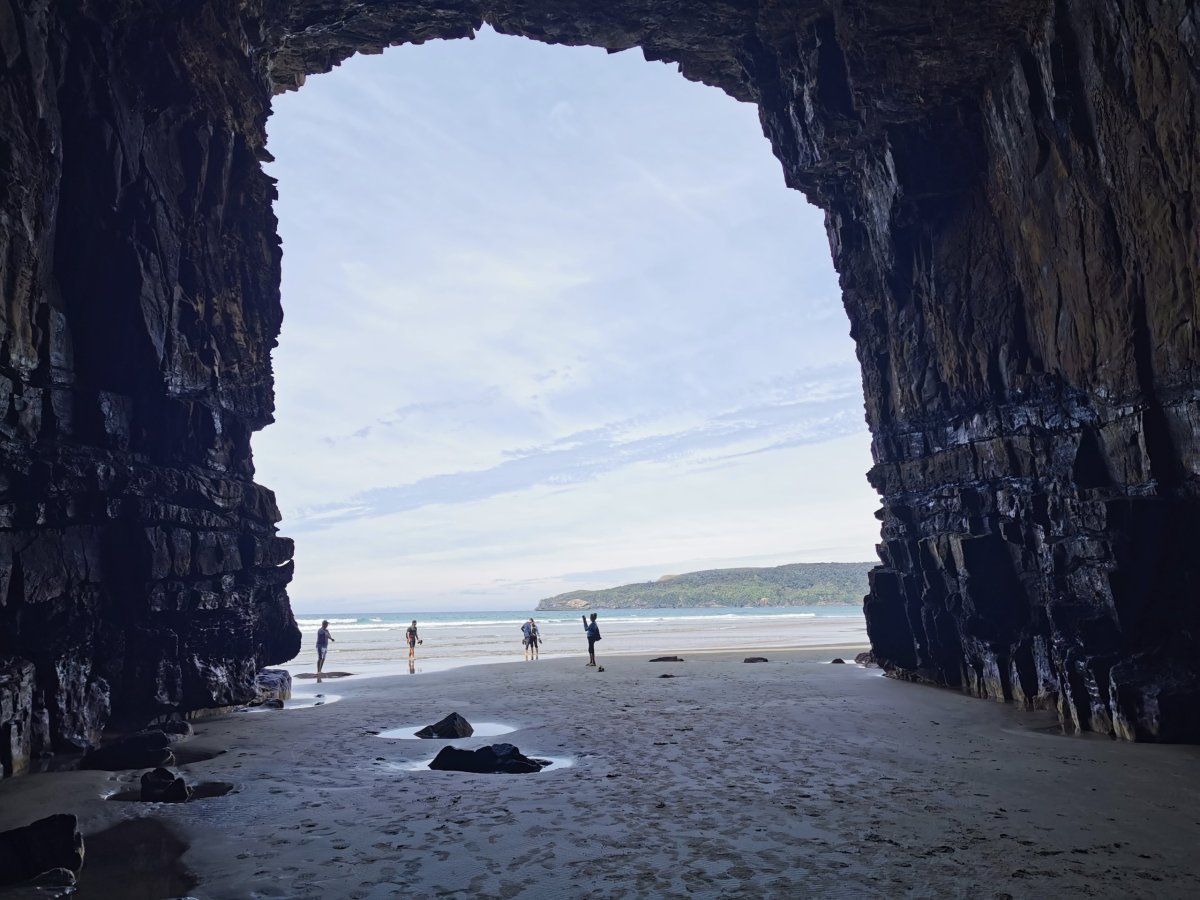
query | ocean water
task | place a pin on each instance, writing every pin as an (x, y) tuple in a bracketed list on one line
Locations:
[(374, 644)]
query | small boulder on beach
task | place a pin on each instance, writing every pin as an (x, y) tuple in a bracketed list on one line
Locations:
[(273, 684), (496, 759), (837, 660), (164, 786), (755, 659), (453, 726), (50, 843), (667, 659), (866, 658)]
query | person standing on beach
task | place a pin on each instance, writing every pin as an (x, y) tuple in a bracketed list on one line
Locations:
[(413, 640), (323, 639), (592, 630), (532, 638)]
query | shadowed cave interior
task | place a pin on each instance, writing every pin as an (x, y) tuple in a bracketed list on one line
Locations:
[(1011, 202)]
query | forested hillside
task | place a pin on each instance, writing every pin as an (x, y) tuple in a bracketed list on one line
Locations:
[(797, 584)]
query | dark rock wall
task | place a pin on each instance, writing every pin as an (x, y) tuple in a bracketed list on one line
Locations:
[(139, 567), (1011, 197), (1030, 372)]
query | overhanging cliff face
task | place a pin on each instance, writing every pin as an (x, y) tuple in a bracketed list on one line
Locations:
[(1012, 205), (140, 572)]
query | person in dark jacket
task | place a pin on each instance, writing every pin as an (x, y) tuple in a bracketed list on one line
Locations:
[(533, 637), (592, 630)]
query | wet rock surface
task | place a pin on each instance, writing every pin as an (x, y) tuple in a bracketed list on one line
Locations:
[(497, 759), (1011, 202), (273, 684), (453, 726), (40, 847), (164, 786)]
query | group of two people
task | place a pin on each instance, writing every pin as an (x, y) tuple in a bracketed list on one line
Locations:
[(532, 637), (324, 637)]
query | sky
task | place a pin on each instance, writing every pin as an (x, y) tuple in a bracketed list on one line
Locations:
[(552, 322)]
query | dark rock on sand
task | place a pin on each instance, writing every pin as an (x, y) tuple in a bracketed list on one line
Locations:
[(272, 704), (147, 749), (273, 684), (164, 786), (666, 675), (453, 726), (755, 659), (837, 660), (50, 843), (498, 758), (667, 659), (866, 658)]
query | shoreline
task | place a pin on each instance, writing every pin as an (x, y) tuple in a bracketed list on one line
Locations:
[(435, 665), (790, 778), (367, 649)]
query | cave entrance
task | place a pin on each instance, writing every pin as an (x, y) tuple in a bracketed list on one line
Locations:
[(552, 321)]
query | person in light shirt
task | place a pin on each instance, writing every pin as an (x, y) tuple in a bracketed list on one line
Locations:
[(323, 639)]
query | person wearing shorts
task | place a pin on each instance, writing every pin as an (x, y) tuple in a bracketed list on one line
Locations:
[(413, 640), (323, 639)]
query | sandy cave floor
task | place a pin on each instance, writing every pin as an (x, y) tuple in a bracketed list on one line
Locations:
[(793, 778)]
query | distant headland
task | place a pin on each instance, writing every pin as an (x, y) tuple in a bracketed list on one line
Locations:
[(796, 584)]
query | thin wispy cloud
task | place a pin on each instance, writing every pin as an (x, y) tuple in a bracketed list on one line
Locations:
[(585, 456)]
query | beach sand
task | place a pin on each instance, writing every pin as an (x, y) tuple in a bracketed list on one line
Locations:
[(791, 778)]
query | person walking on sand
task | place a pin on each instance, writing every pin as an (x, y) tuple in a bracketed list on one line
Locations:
[(526, 629), (323, 639), (592, 630), (413, 639)]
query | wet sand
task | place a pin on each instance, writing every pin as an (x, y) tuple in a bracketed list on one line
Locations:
[(790, 778)]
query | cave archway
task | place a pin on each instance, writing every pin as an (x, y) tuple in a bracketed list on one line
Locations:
[(548, 311), (1011, 200)]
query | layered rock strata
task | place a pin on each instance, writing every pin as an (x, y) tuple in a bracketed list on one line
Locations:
[(140, 571), (1011, 196)]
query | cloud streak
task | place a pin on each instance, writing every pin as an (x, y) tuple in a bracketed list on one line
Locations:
[(820, 414)]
